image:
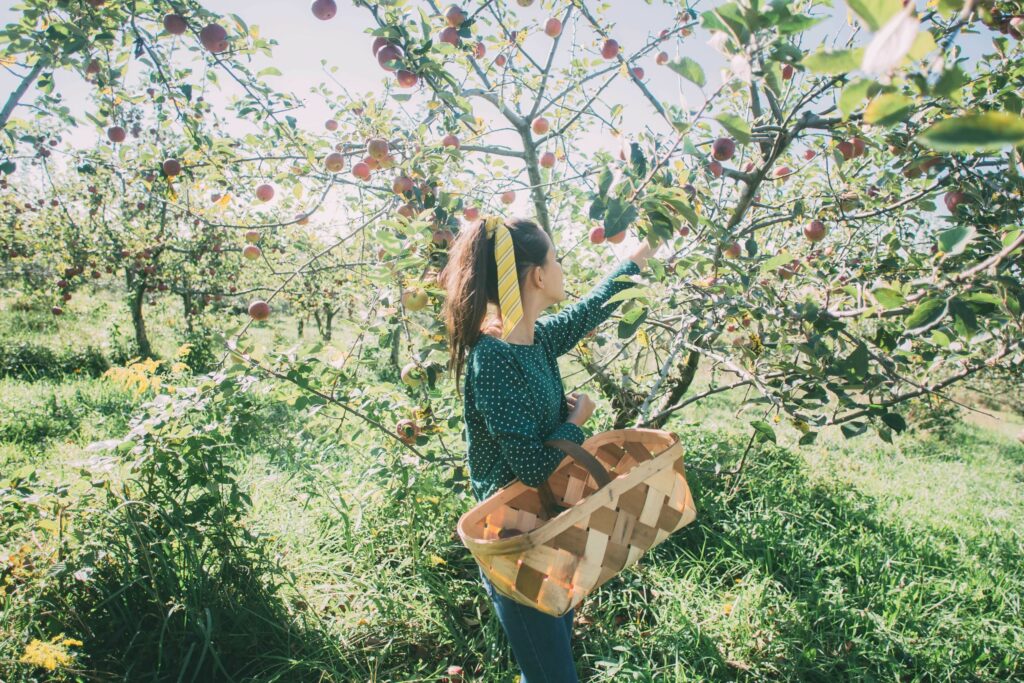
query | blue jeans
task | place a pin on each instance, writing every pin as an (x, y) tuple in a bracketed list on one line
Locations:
[(540, 642)]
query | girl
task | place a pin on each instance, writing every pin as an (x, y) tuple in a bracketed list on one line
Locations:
[(513, 398)]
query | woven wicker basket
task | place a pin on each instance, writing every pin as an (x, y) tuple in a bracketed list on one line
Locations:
[(549, 557)]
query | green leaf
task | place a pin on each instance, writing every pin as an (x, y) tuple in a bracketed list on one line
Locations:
[(951, 83), (926, 315), (852, 429), (604, 182), (923, 44), (964, 320), (776, 261), (874, 13), (955, 240), (631, 320), (894, 421), (985, 132), (619, 216), (764, 431), (888, 109), (688, 69), (887, 297), (834, 62), (808, 438), (854, 93), (269, 71), (736, 126)]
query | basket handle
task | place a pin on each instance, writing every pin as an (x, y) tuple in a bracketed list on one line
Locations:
[(583, 458)]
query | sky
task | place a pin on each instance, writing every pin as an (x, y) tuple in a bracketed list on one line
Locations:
[(303, 41)]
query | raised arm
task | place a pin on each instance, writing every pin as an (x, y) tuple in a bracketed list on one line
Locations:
[(510, 416)]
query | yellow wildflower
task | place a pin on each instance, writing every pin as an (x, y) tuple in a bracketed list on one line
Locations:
[(49, 655)]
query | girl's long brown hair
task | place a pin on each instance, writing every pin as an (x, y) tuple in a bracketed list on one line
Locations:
[(470, 279)]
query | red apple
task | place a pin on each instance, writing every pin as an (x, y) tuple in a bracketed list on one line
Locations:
[(858, 147), (402, 184), (732, 251), (815, 231), (638, 71), (455, 16), (450, 140), (442, 238), (265, 192), (782, 172), (723, 149), (214, 38), (787, 72), (479, 50), (371, 162), (361, 170), (618, 237), (57, 310), (259, 310), (331, 124), (449, 35), (610, 50), (377, 148), (597, 234), (716, 169), (406, 79), (116, 134), (387, 55), (684, 230), (471, 213), (553, 27), (92, 68), (846, 149), (378, 43), (251, 252), (252, 236), (175, 24), (954, 199), (171, 167), (661, 59), (407, 431), (809, 154), (547, 159), (540, 125), (508, 197), (500, 60), (334, 162)]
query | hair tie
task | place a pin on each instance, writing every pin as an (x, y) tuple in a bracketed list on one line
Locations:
[(511, 305)]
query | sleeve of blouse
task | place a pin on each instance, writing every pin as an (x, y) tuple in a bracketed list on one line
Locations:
[(509, 414), (563, 330)]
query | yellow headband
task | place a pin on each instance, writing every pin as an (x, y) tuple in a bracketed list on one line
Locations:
[(508, 278)]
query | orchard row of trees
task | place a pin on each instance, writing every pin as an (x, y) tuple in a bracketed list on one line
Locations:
[(844, 222)]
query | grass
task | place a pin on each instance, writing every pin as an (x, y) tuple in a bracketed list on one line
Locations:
[(849, 560)]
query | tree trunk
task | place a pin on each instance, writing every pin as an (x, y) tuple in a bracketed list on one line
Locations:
[(328, 330), (139, 323), (300, 325), (186, 302)]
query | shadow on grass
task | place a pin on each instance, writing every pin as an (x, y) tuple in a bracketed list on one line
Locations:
[(874, 599)]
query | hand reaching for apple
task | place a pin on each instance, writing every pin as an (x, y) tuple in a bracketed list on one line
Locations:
[(645, 251), (581, 407)]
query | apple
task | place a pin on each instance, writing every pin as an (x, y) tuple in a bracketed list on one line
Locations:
[(214, 38), (57, 310), (809, 154), (954, 199), (782, 172), (716, 169), (846, 149), (259, 310), (638, 71), (371, 162), (540, 125), (597, 234), (610, 49), (442, 238), (858, 147), (171, 167), (455, 16), (331, 124), (684, 230), (524, 3), (618, 237), (547, 159), (407, 431), (412, 375), (175, 24), (500, 60), (449, 35), (732, 251), (387, 55), (471, 213), (361, 170), (723, 149), (116, 134), (92, 68), (377, 148), (334, 162), (661, 59), (450, 140), (479, 50), (252, 236), (251, 252), (553, 27), (265, 192), (302, 219), (402, 184), (324, 9), (407, 79), (815, 231), (414, 299), (454, 672), (508, 197), (378, 43), (787, 72)]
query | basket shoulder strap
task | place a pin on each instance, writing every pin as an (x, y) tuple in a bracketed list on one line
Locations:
[(584, 459)]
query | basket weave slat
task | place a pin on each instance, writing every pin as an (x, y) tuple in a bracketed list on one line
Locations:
[(549, 559)]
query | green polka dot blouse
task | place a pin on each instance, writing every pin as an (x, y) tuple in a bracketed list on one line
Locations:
[(514, 398)]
